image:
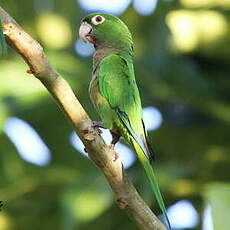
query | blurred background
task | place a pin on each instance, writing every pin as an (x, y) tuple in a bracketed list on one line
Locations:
[(182, 55)]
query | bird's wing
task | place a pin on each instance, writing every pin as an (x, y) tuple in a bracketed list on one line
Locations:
[(117, 84)]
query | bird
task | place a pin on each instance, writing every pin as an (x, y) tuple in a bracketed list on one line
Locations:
[(113, 89)]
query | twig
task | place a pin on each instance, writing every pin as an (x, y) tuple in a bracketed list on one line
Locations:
[(125, 194)]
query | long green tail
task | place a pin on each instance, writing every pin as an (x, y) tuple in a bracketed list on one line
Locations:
[(3, 47), (144, 156), (152, 179)]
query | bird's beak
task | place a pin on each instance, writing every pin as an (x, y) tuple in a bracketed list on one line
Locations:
[(85, 32)]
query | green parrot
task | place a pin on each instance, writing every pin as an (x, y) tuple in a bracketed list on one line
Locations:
[(2, 41), (113, 89)]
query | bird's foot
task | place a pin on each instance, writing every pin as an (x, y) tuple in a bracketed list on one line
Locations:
[(115, 139), (97, 125), (111, 146)]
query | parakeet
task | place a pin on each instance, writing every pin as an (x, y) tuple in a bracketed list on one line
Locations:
[(113, 89), (2, 41)]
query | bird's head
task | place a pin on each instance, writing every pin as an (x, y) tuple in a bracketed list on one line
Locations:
[(104, 30)]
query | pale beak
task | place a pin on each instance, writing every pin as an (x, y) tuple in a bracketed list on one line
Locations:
[(85, 31)]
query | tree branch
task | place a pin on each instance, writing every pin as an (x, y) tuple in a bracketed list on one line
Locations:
[(125, 194)]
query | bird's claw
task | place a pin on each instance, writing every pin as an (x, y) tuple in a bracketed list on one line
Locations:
[(111, 146), (97, 125)]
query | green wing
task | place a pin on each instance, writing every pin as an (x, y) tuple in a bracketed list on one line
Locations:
[(117, 84)]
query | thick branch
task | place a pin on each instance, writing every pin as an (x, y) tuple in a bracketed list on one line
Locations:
[(125, 194)]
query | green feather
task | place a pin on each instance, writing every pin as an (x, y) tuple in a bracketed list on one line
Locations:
[(152, 179), (3, 47)]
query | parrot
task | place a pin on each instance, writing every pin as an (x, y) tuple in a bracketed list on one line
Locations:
[(113, 89), (2, 41)]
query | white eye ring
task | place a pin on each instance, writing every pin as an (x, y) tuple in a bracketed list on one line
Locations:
[(98, 19)]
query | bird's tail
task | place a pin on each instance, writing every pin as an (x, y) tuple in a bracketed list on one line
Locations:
[(152, 178), (3, 47), (146, 157)]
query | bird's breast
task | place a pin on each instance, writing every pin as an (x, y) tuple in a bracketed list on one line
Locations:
[(94, 93)]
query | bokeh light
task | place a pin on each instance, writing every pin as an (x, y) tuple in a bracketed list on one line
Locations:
[(88, 205), (213, 25), (192, 28), (29, 144), (116, 7), (54, 30), (152, 118), (77, 144), (5, 221), (145, 7), (183, 29), (205, 3), (84, 49), (126, 155), (183, 215), (207, 219)]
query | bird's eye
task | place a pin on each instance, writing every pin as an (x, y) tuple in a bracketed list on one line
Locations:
[(98, 19)]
